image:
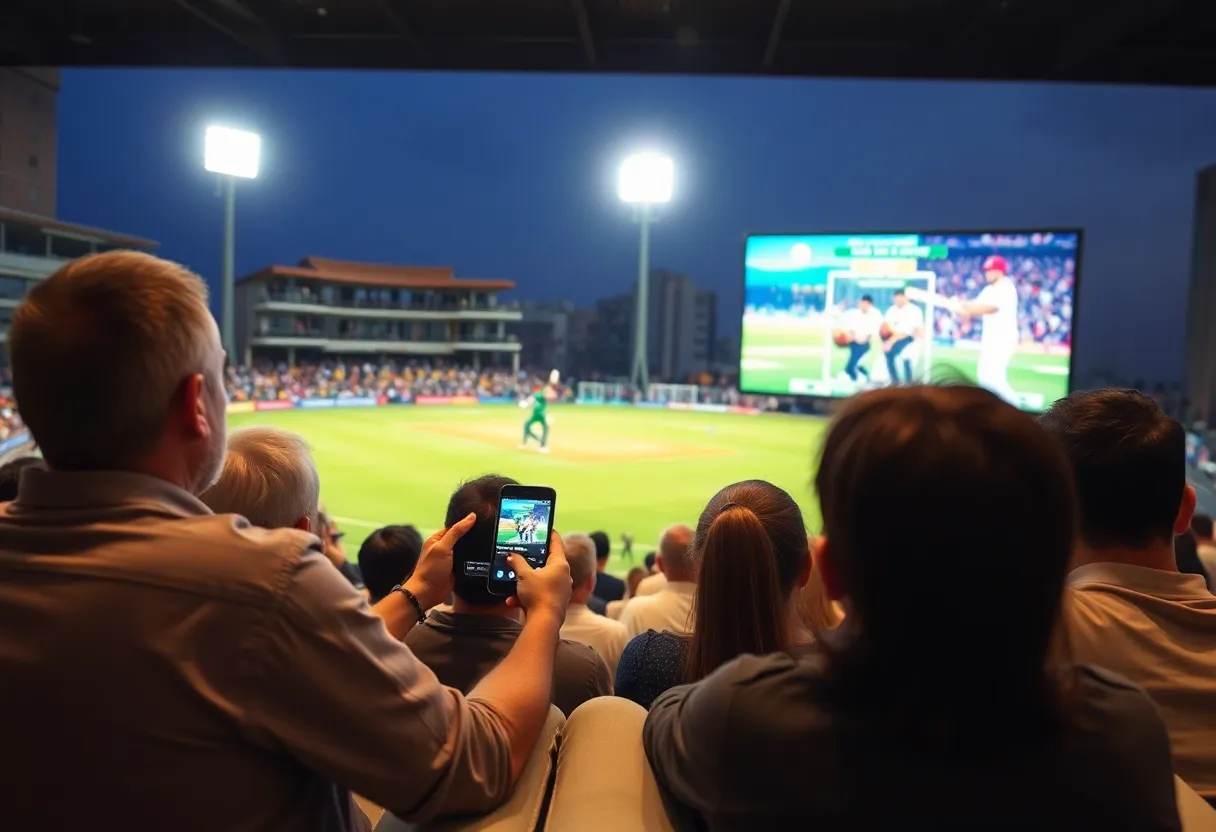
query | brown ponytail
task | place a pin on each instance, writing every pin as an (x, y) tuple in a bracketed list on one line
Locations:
[(750, 544)]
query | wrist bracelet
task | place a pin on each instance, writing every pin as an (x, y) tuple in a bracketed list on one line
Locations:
[(413, 599)]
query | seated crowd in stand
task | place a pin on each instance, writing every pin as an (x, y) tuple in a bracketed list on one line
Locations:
[(394, 381), (183, 643)]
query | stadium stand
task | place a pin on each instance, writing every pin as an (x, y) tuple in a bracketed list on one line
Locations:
[(297, 686)]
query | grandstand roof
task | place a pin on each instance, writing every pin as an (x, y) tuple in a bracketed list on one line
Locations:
[(1126, 41), (52, 224), (375, 274)]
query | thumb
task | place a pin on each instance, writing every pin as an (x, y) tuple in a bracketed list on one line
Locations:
[(520, 564)]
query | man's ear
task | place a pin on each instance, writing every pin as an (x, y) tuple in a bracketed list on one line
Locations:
[(190, 406), (831, 577), (1186, 511), (304, 524), (658, 565)]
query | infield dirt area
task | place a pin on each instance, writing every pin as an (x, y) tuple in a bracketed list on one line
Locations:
[(578, 443)]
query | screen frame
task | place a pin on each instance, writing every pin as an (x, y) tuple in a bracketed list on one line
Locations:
[(544, 493), (1078, 276)]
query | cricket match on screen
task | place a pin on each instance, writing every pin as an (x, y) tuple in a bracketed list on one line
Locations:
[(832, 315)]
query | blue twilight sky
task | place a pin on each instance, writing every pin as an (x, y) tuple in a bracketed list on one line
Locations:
[(512, 176)]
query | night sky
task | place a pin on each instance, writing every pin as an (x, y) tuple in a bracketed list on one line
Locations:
[(513, 176)]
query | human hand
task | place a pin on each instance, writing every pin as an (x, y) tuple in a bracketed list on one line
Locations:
[(544, 589), (433, 580)]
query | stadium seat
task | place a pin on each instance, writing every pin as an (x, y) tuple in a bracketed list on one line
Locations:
[(1196, 814), (604, 781), (522, 813)]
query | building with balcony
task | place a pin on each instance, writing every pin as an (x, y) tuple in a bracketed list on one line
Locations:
[(340, 309), (32, 246)]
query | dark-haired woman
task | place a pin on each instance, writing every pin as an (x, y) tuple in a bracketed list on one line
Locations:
[(948, 524)]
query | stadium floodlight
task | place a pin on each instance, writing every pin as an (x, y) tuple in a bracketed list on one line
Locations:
[(644, 180), (233, 154)]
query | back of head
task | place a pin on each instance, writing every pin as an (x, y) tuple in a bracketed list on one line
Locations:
[(635, 576), (388, 557), (269, 478), (10, 475), (948, 518), (480, 497), (1128, 461), (580, 552), (120, 331), (751, 546), (602, 544), (676, 554)]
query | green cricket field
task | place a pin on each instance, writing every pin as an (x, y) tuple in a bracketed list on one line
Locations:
[(620, 469), (778, 350)]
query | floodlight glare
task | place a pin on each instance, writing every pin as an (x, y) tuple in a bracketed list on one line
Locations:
[(646, 179), (232, 152)]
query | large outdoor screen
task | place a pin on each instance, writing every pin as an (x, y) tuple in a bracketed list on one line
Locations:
[(834, 314)]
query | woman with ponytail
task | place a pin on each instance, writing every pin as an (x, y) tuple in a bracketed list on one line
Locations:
[(753, 559)]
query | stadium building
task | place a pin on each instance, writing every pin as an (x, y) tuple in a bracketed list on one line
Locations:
[(32, 246), (339, 308)]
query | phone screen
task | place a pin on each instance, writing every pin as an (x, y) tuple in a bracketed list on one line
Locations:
[(525, 516)]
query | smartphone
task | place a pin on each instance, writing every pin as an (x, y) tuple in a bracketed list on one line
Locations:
[(525, 516)]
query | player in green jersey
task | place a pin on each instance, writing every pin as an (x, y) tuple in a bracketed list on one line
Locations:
[(539, 407)]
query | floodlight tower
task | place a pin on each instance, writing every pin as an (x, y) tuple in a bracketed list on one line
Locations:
[(233, 154), (645, 181)]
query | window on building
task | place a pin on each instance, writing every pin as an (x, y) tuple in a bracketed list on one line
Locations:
[(34, 161), (33, 194)]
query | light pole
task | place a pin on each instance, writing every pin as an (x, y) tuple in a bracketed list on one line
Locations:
[(645, 180), (233, 154)]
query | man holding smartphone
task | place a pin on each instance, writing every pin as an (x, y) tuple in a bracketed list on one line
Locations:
[(464, 645)]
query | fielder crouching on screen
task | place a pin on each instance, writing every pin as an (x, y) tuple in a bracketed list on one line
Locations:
[(903, 326), (863, 324)]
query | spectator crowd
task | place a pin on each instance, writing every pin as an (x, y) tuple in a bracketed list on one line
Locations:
[(393, 381), (183, 643), (10, 419)]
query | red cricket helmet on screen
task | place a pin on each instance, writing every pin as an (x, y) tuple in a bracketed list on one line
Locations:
[(996, 263)]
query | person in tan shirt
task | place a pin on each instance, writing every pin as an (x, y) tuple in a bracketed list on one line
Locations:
[(671, 607), (1129, 608), (165, 667), (601, 633)]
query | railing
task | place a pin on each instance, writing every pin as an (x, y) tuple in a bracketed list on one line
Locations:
[(312, 299), (389, 335)]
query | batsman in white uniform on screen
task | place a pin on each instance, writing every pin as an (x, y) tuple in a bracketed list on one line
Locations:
[(997, 306), (905, 329)]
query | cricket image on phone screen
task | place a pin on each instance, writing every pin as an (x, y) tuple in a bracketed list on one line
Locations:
[(523, 529)]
